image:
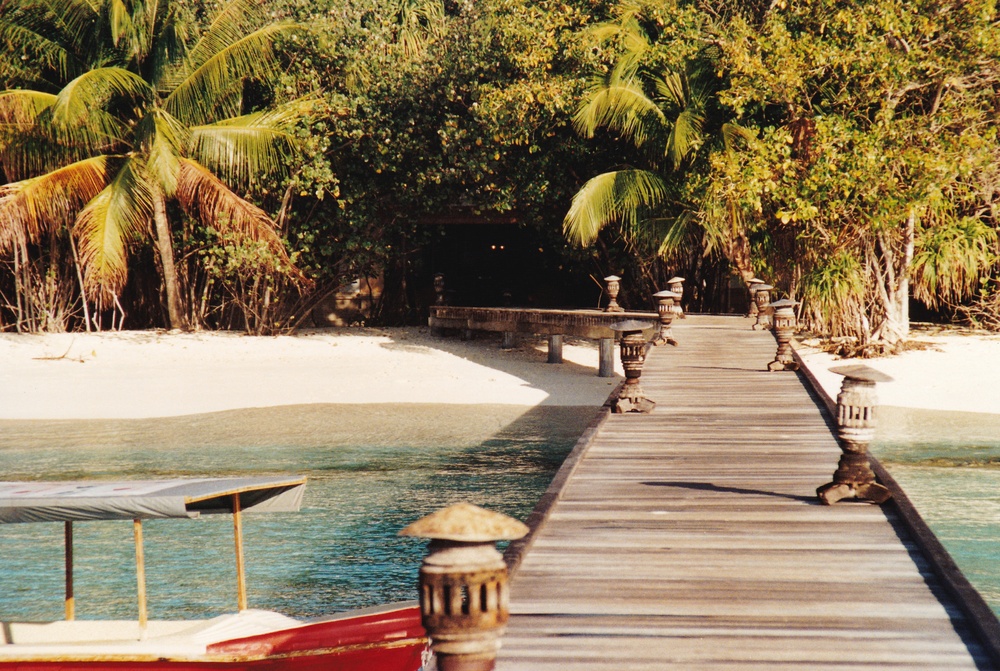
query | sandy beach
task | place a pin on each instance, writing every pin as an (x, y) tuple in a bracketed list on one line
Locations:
[(947, 369), (144, 374)]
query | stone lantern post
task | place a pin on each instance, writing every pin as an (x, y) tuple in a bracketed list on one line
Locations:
[(464, 592), (856, 422), (633, 354), (614, 286), (762, 297), (439, 289), (754, 283), (665, 308), (676, 284), (784, 329)]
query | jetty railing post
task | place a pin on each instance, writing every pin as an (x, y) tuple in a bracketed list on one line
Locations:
[(856, 421), (606, 357), (632, 398), (784, 329), (676, 284), (762, 297), (613, 286), (555, 349), (754, 283), (464, 593), (665, 308)]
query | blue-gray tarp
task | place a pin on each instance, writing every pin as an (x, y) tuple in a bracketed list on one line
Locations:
[(145, 499)]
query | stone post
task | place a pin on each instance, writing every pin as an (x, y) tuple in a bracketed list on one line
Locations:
[(784, 329), (754, 283), (613, 287), (676, 284), (856, 423), (762, 298), (665, 308), (464, 593), (633, 354)]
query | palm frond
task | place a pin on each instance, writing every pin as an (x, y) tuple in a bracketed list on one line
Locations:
[(241, 149), (205, 197), (672, 87), (418, 23), (950, 259), (37, 37), (623, 196), (163, 139), (117, 217), (234, 21), (169, 48), (621, 106), (677, 233), (91, 92), (35, 206), (194, 99), (686, 136), (733, 134)]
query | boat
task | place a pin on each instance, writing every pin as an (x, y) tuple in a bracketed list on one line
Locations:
[(383, 638)]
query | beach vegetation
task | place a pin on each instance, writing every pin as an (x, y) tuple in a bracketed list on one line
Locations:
[(127, 124), (864, 173)]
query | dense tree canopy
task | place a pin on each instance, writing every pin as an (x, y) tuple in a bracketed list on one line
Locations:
[(119, 107), (846, 152), (867, 171)]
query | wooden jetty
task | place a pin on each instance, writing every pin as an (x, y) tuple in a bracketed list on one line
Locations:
[(691, 537), (593, 324)]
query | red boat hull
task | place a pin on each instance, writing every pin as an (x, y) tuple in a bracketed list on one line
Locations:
[(391, 640)]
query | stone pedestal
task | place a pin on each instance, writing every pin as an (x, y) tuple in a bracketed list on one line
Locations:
[(856, 421)]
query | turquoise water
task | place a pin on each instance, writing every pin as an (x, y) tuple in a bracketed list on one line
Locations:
[(371, 470), (948, 463)]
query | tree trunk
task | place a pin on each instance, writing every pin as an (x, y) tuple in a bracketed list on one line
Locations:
[(176, 313)]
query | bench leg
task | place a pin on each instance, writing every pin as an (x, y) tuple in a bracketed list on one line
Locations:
[(555, 349), (606, 363), (507, 341)]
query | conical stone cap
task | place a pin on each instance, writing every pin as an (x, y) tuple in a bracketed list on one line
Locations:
[(468, 523), (861, 372)]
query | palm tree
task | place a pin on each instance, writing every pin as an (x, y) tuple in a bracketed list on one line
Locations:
[(668, 117), (121, 111)]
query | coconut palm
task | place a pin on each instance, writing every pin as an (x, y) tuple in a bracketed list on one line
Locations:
[(667, 116), (123, 109)]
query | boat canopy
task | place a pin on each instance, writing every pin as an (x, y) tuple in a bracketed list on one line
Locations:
[(146, 499)]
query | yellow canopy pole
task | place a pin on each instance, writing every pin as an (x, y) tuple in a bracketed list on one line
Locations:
[(241, 577), (140, 576), (70, 600)]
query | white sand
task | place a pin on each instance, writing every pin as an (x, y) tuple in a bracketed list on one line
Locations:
[(155, 374), (958, 371)]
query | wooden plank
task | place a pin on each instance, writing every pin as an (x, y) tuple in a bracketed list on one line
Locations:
[(691, 537)]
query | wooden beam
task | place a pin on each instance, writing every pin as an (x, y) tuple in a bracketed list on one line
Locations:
[(555, 349), (241, 578), (140, 576), (70, 599)]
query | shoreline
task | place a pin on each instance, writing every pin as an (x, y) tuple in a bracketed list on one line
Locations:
[(145, 374), (943, 370)]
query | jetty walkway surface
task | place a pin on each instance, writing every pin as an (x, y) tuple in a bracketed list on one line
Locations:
[(691, 537)]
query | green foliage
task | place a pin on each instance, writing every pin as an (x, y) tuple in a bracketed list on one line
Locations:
[(858, 145), (159, 101)]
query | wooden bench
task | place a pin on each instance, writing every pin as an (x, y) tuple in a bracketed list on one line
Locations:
[(592, 324)]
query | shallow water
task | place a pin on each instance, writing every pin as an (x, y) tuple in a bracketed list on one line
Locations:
[(371, 470), (948, 463)]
